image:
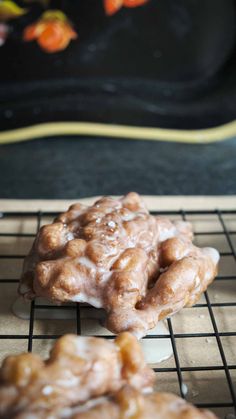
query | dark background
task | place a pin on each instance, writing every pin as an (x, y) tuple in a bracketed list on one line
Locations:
[(169, 64), (77, 167)]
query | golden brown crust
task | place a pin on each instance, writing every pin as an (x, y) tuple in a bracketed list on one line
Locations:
[(112, 255), (79, 368), (127, 403), (130, 403)]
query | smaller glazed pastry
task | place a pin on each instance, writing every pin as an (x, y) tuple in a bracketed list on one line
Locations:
[(78, 369), (129, 403), (87, 378)]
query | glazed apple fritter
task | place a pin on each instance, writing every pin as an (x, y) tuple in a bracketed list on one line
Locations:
[(116, 255)]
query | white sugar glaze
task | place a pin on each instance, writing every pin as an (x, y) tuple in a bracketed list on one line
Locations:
[(155, 350)]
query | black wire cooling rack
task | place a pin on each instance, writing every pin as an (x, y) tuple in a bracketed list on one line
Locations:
[(178, 368)]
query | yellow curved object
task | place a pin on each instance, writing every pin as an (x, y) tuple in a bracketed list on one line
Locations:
[(49, 129)]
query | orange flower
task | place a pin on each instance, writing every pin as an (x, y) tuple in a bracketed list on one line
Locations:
[(52, 31), (112, 6)]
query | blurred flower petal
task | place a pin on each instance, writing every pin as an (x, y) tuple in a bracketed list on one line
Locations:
[(52, 31), (10, 10), (112, 6), (134, 3), (54, 15)]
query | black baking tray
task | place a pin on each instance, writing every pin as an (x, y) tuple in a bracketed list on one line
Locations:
[(168, 64)]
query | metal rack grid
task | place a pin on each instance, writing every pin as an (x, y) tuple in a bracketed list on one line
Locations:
[(178, 368)]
